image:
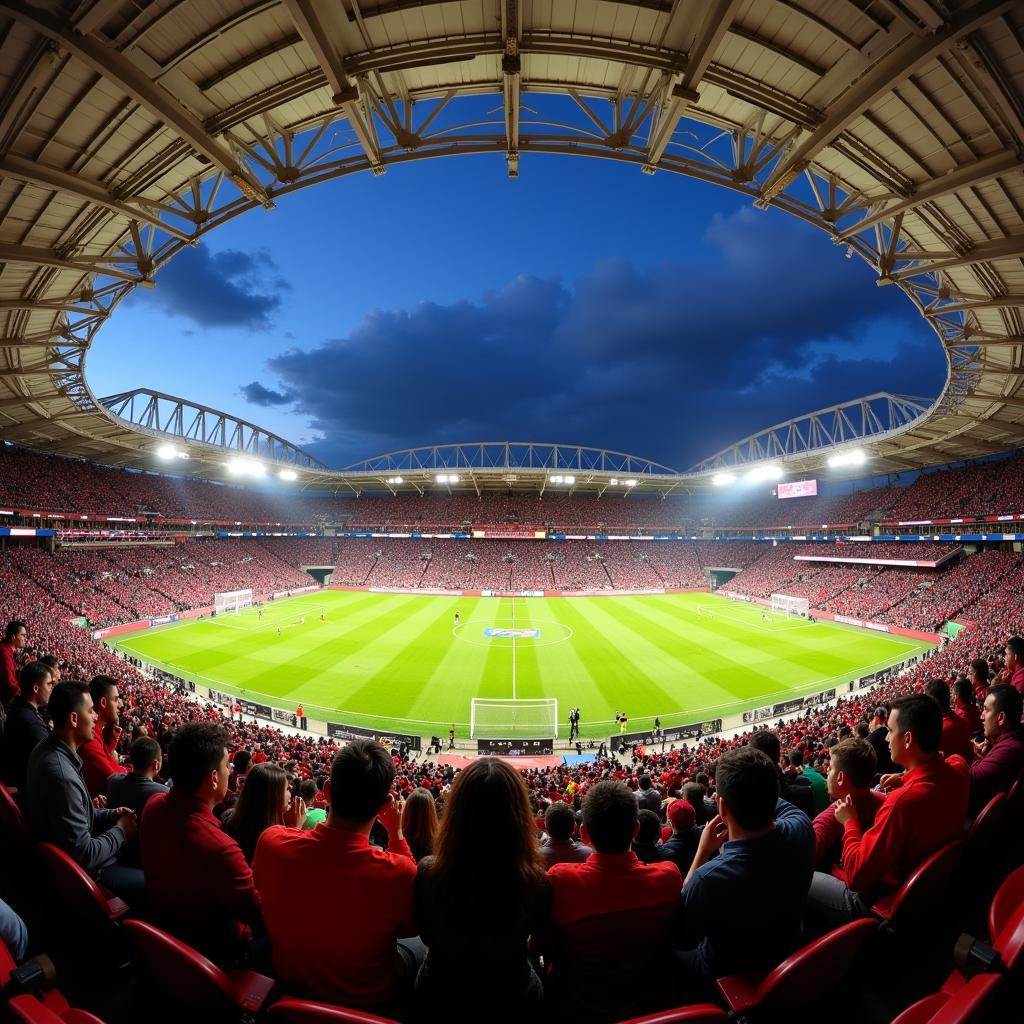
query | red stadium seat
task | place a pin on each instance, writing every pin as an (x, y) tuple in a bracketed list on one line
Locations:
[(80, 895), (806, 976), (28, 1010), (12, 820), (986, 828), (300, 1011), (186, 975), (1006, 921), (699, 1013), (925, 887), (963, 1006)]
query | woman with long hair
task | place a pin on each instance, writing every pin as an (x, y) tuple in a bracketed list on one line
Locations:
[(263, 801), (419, 822), (482, 895)]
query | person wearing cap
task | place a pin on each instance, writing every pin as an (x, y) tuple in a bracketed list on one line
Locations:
[(681, 845)]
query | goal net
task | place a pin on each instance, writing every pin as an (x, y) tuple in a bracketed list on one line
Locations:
[(231, 601), (493, 719), (790, 605)]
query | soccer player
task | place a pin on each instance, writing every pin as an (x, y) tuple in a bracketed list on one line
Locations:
[(764, 617), (259, 614), (323, 617), (278, 630), (456, 617), (302, 621)]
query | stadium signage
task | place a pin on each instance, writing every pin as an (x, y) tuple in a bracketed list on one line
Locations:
[(162, 620), (873, 561), (515, 748), (798, 489), (787, 707), (693, 731), (340, 731), (248, 707)]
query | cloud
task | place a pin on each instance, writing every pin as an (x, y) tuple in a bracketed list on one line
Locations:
[(223, 289), (257, 394), (671, 361)]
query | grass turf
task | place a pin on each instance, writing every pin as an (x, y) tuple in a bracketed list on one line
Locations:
[(398, 662)]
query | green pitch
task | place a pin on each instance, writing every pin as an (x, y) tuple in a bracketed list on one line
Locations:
[(399, 662)]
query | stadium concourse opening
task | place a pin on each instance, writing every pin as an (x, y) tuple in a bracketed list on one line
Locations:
[(242, 690)]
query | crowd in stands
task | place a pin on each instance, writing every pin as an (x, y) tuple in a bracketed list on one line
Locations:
[(49, 484)]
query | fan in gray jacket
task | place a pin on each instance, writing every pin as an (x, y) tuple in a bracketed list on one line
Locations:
[(60, 810)]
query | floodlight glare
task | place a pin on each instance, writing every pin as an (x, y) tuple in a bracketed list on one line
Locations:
[(441, 478), (721, 479), (394, 480), (761, 473), (854, 457), (556, 479), (245, 467), (453, 479), (168, 451), (288, 474), (570, 479), (614, 482), (630, 483)]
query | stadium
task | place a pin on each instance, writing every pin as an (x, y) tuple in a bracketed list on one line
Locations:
[(547, 730)]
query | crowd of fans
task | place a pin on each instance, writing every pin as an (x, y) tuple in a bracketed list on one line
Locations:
[(49, 484)]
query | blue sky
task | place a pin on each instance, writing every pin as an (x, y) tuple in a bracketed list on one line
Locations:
[(584, 303)]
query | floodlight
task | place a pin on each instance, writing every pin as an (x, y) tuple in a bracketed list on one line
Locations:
[(854, 457), (441, 478), (453, 479), (168, 451), (761, 473), (556, 479), (630, 482), (394, 480), (570, 479), (722, 479), (288, 474), (614, 482), (245, 467)]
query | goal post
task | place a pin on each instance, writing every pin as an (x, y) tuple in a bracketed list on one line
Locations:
[(495, 719), (232, 601), (790, 605)]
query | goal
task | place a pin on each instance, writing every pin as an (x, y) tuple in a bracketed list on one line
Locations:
[(231, 601), (790, 605), (494, 719)]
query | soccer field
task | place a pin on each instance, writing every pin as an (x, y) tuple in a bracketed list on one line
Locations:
[(399, 662)]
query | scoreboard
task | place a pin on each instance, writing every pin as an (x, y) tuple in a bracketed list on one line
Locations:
[(515, 748)]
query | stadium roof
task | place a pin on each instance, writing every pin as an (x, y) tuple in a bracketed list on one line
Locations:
[(128, 131)]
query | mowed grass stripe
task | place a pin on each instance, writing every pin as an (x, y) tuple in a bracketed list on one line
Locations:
[(381, 658)]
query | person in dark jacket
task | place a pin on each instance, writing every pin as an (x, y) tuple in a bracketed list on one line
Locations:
[(647, 797), (681, 846), (135, 788), (25, 726), (794, 789), (60, 810)]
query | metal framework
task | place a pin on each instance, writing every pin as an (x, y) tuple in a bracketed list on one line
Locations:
[(872, 418), (165, 417), (129, 130)]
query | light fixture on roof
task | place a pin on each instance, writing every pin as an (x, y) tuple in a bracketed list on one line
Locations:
[(761, 473), (631, 482), (614, 481), (245, 467), (723, 479), (288, 474), (168, 452), (853, 457), (395, 480), (447, 478)]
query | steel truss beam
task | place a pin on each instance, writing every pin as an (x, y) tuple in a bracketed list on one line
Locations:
[(872, 418), (181, 420)]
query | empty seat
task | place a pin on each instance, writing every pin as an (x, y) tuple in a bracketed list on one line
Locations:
[(964, 1005), (985, 828), (924, 889), (802, 978), (188, 977), (699, 1013), (81, 895), (28, 1010)]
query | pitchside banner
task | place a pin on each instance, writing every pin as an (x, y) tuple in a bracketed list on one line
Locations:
[(680, 732), (248, 707), (339, 731), (787, 707)]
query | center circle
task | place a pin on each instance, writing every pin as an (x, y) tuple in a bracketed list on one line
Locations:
[(502, 641)]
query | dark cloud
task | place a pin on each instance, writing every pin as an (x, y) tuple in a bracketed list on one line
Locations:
[(223, 289), (670, 362), (257, 394)]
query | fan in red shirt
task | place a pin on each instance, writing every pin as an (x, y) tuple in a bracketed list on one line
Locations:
[(15, 638), (956, 733), (924, 810), (198, 885), (1013, 663), (348, 951), (965, 706), (851, 772), (99, 755)]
